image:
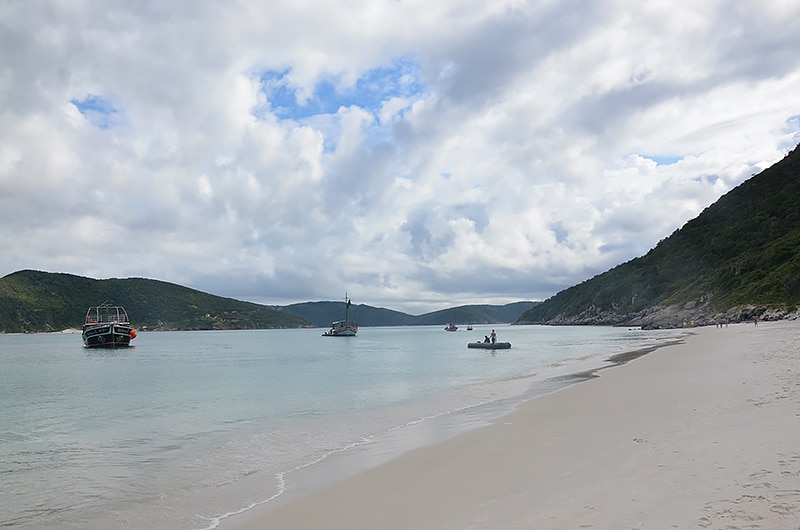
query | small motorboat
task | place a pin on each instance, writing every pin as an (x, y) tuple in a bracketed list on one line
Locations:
[(107, 326), (490, 345), (451, 327), (469, 327)]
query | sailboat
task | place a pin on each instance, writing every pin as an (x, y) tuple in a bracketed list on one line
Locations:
[(343, 328)]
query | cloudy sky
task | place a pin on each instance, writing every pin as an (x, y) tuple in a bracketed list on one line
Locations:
[(414, 154)]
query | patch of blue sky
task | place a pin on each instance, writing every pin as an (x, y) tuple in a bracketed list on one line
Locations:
[(370, 92), (707, 179), (665, 160), (560, 232), (275, 85), (329, 145), (792, 130), (97, 110)]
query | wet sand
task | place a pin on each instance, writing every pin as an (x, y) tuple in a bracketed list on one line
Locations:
[(703, 434)]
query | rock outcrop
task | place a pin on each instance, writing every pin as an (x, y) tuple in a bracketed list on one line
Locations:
[(670, 317)]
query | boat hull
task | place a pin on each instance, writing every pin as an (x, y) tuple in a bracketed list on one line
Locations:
[(340, 333), (343, 328), (107, 336), (490, 345)]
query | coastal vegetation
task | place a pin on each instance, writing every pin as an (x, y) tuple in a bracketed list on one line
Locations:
[(36, 301), (41, 301), (738, 259)]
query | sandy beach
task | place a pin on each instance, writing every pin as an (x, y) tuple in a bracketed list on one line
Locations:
[(703, 434)]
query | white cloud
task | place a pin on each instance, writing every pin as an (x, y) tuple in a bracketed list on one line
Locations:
[(416, 155)]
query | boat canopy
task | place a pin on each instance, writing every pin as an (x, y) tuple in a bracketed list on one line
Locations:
[(107, 313)]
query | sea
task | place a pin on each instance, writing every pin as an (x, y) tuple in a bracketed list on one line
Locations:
[(187, 430)]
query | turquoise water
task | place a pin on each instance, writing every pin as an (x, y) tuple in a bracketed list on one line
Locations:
[(186, 429)]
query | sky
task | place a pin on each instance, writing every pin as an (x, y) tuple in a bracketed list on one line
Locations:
[(415, 155)]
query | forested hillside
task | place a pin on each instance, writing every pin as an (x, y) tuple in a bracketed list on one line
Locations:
[(43, 301), (739, 257), (32, 301)]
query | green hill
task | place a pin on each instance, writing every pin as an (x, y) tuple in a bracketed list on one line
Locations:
[(321, 314), (34, 301), (42, 301), (739, 257), (476, 314)]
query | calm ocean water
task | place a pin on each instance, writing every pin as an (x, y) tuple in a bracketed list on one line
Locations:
[(186, 429)]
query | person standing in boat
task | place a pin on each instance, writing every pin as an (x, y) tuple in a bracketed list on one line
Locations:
[(494, 337)]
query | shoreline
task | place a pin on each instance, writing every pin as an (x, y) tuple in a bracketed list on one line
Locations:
[(667, 438), (423, 431)]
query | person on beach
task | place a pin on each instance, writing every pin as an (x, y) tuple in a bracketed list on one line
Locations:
[(494, 337)]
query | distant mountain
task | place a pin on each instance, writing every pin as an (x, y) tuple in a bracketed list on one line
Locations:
[(321, 314), (33, 301), (43, 301), (740, 257), (476, 314)]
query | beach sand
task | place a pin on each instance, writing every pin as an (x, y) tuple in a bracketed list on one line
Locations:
[(703, 434)]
